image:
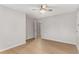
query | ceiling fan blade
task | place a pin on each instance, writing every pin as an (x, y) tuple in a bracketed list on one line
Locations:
[(35, 9), (50, 9)]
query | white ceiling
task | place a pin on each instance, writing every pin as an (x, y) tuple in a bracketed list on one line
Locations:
[(57, 9)]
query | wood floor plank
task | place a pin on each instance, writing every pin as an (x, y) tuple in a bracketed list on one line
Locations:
[(41, 46)]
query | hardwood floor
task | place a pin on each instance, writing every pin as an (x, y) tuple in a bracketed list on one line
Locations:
[(41, 46)]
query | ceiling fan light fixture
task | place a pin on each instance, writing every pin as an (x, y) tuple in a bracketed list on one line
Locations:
[(42, 11), (43, 8)]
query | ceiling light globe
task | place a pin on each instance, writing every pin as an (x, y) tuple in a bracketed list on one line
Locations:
[(42, 11)]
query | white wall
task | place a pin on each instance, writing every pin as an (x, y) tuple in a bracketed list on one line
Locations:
[(60, 28), (12, 28)]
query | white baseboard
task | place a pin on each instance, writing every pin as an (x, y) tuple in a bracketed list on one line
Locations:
[(12, 46), (60, 41)]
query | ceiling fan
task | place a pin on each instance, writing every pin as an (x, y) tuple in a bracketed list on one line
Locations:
[(44, 8)]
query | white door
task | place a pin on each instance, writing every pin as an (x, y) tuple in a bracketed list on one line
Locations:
[(77, 30)]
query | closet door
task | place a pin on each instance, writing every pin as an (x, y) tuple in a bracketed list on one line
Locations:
[(77, 29), (35, 29), (77, 26)]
